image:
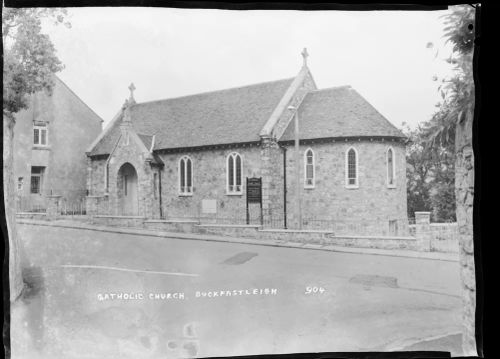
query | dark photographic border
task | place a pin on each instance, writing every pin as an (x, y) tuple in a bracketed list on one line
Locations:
[(484, 117)]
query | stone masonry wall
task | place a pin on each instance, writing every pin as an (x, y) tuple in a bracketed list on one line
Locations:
[(272, 179), (367, 209), (364, 210), (132, 154), (464, 193), (209, 182), (443, 236), (96, 184)]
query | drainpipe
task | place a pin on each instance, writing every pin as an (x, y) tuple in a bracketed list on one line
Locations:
[(297, 169), (159, 192), (297, 166), (159, 175), (284, 186)]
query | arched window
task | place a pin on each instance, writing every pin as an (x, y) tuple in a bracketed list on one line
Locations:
[(309, 173), (234, 174), (351, 168), (391, 168), (185, 176)]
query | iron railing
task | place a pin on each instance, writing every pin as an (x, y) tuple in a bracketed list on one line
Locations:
[(73, 208), (72, 205), (31, 205), (277, 221)]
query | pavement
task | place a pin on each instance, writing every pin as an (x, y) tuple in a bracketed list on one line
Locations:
[(65, 223), (237, 298)]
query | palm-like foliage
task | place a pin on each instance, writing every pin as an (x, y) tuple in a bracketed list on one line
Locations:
[(459, 28), (458, 91)]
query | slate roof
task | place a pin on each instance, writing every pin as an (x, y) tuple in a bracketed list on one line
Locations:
[(339, 112), (237, 115), (146, 139), (228, 116), (106, 144)]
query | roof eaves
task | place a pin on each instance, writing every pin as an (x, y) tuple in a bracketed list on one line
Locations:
[(345, 138), (207, 147)]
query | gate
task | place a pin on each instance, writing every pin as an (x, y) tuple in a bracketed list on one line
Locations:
[(73, 208)]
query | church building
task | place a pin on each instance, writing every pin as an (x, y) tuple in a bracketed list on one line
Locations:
[(325, 157)]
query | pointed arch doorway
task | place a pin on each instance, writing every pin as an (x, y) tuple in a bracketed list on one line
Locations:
[(127, 190)]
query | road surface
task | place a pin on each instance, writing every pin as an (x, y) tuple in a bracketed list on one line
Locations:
[(185, 298)]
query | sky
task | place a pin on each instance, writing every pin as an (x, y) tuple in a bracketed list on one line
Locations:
[(175, 52)]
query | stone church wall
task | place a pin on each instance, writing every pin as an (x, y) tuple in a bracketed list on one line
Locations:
[(148, 205), (328, 206), (272, 180), (209, 182), (96, 180), (363, 210)]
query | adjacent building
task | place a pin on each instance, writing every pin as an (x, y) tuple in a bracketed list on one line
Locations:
[(189, 157), (50, 139)]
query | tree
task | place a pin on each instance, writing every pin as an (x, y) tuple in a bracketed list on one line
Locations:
[(456, 117), (430, 174), (417, 172), (30, 61)]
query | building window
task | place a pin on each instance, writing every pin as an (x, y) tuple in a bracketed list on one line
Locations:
[(20, 183), (40, 133), (309, 169), (185, 176), (391, 169), (234, 174), (393, 227), (36, 179), (351, 168)]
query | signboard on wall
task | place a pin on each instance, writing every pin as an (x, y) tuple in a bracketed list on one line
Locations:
[(209, 206), (254, 190), (254, 194)]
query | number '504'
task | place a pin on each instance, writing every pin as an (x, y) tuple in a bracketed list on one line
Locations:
[(314, 290)]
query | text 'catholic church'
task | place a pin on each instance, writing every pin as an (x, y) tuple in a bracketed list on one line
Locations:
[(189, 158)]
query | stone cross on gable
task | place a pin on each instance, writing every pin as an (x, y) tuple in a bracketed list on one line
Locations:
[(305, 54), (131, 88)]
